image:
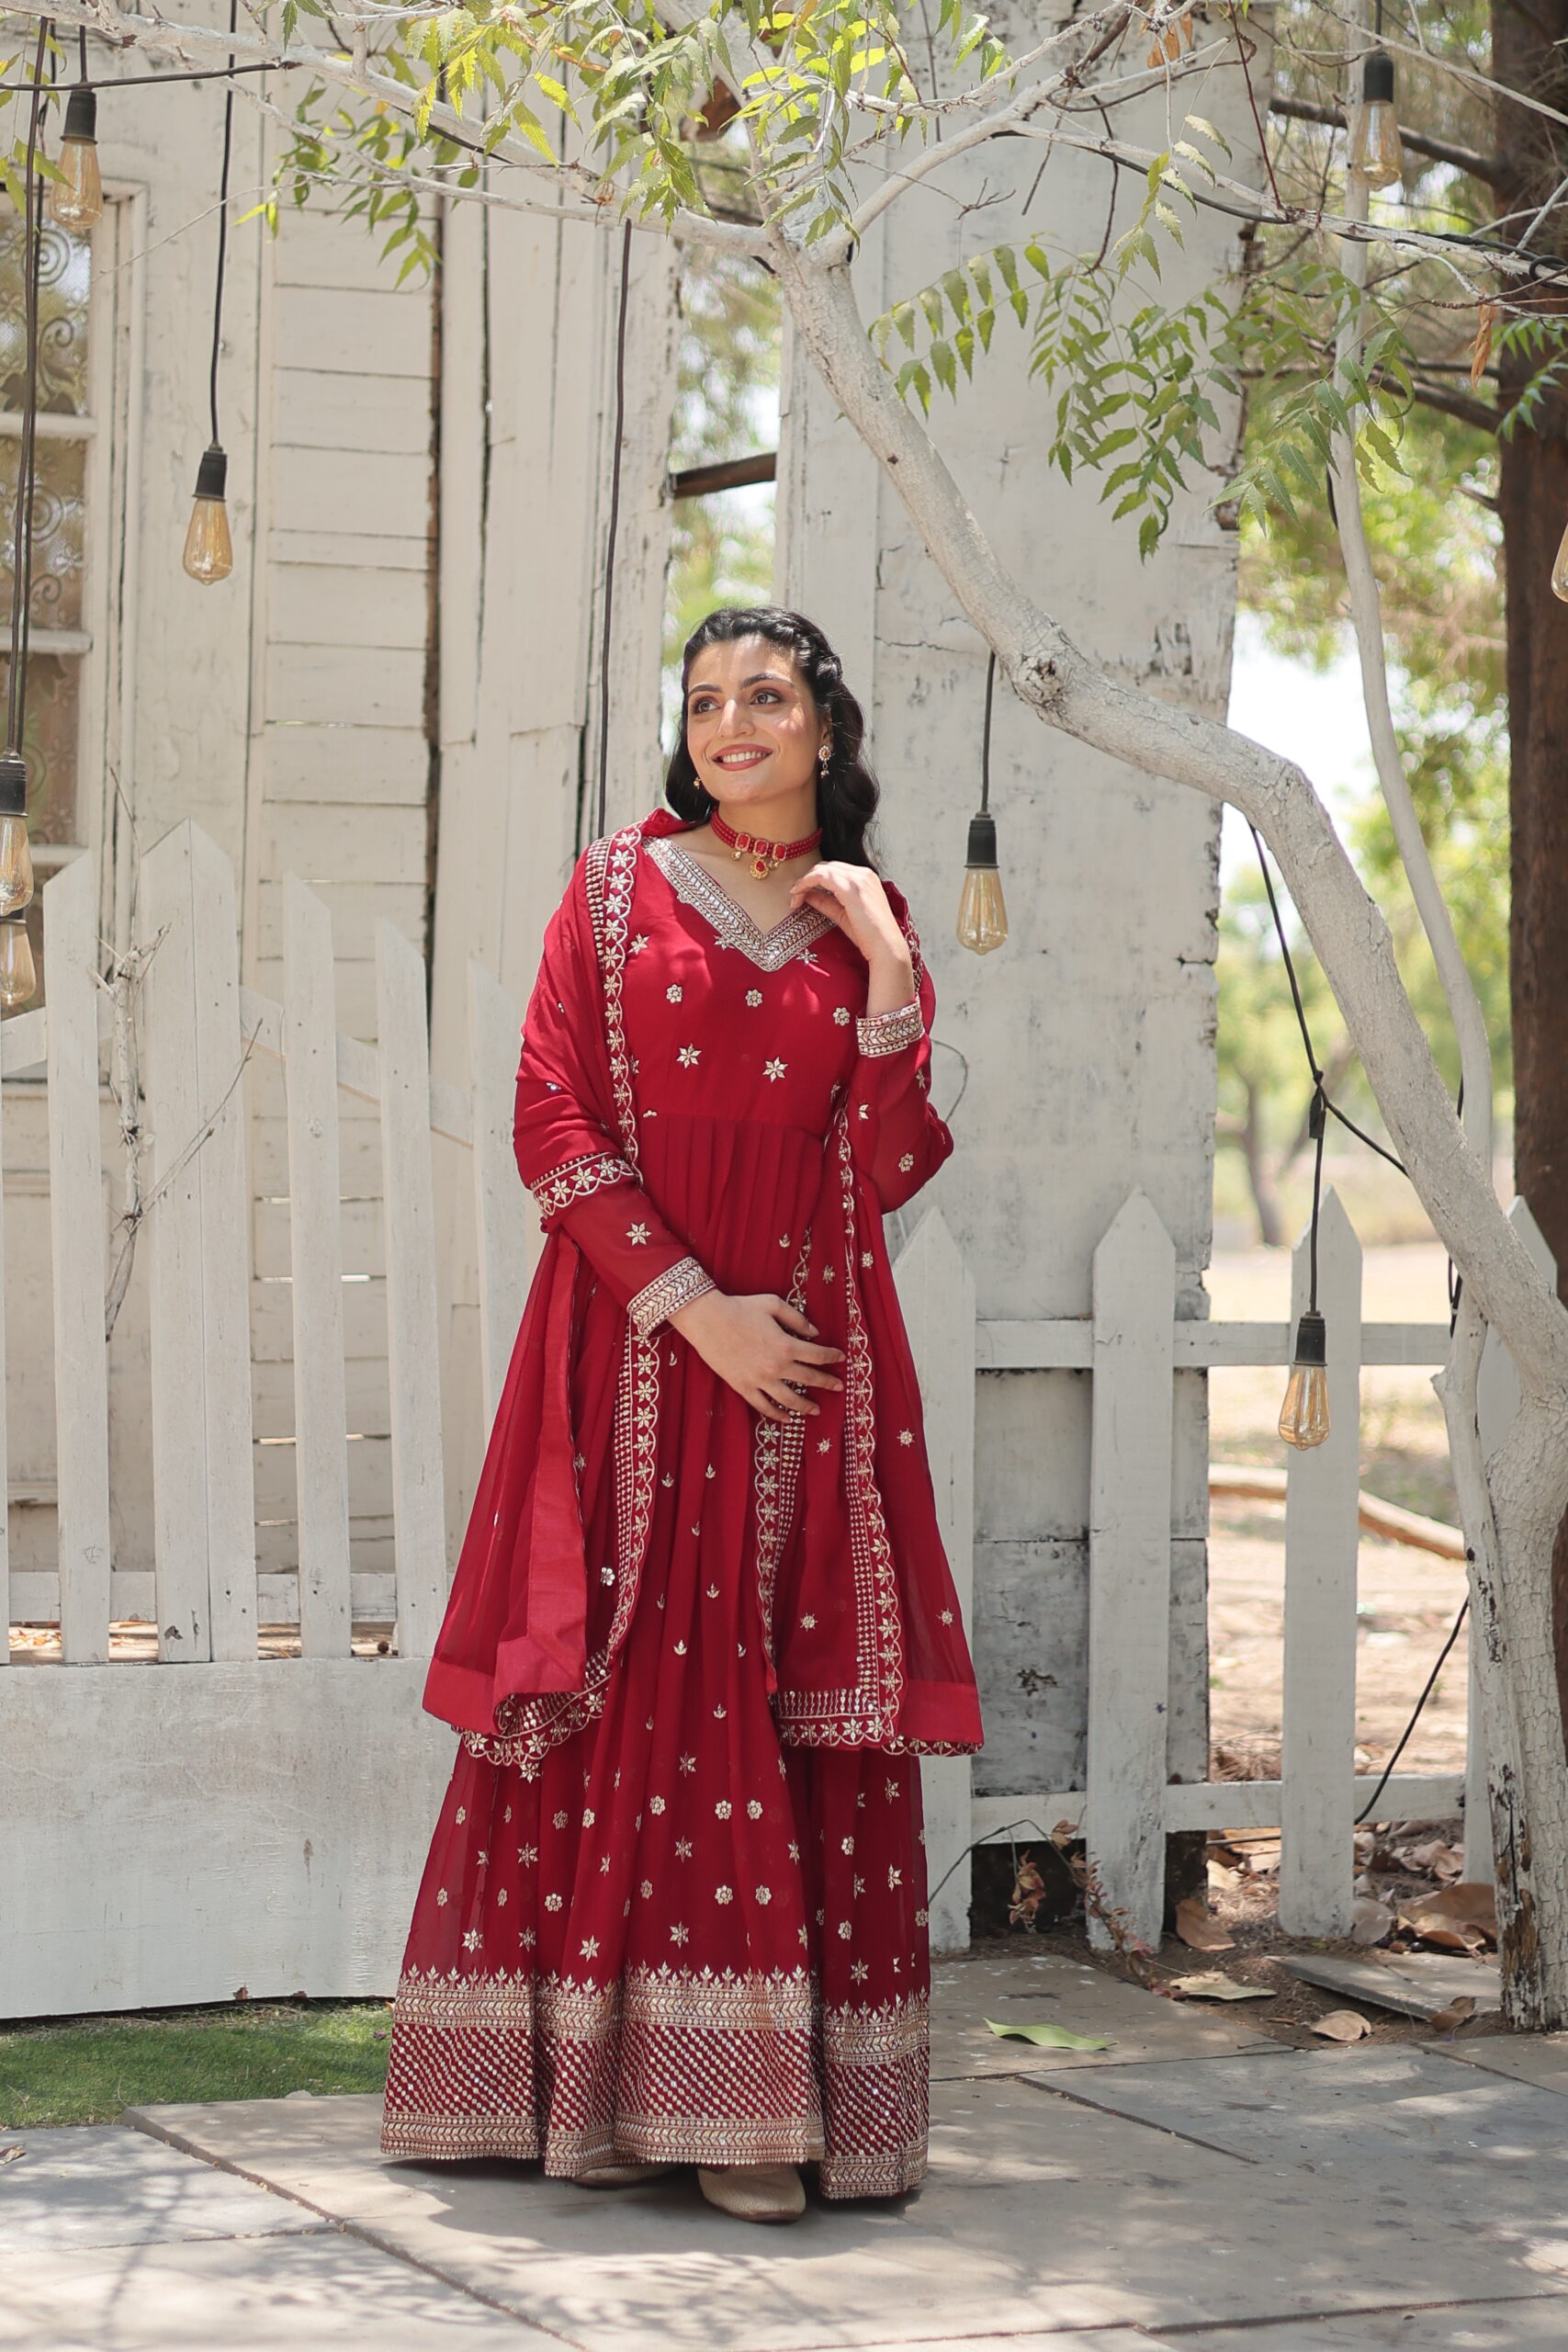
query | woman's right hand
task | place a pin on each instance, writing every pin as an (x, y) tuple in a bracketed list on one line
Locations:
[(763, 1348)]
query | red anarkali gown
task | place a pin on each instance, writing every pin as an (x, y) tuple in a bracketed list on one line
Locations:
[(674, 1907)]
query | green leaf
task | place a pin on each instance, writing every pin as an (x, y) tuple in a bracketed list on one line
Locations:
[(1049, 2037)]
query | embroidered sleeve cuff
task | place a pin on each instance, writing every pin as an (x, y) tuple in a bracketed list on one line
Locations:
[(674, 1289), (575, 1179), (889, 1032)]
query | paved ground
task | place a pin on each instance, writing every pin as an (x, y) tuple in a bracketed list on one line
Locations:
[(1196, 2188)]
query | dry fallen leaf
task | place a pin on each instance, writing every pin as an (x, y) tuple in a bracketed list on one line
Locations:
[(1341, 2025), (1371, 1923), (1448, 2021), (1212, 1984), (1455, 1919), (8, 2155), (1222, 1878), (1198, 1929)]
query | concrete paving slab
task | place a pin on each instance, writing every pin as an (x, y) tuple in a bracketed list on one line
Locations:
[(1454, 2139), (1043, 2215), (1022, 1987), (105, 2186), (1537, 2058), (1532, 2326), (304, 2294), (1412, 1984)]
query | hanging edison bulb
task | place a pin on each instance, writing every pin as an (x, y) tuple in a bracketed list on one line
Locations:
[(76, 198), (982, 912), (210, 551), (18, 976), (16, 857), (1376, 153), (1304, 1416)]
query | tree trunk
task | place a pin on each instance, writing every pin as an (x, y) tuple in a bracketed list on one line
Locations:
[(1530, 53), (1265, 1199)]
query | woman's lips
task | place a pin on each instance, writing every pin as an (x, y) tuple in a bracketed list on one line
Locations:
[(740, 758)]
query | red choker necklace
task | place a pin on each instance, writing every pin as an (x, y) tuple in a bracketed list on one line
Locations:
[(764, 856)]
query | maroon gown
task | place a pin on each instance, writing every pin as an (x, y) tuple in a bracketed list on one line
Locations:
[(674, 1907)]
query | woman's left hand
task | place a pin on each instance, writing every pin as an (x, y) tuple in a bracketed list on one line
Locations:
[(852, 896)]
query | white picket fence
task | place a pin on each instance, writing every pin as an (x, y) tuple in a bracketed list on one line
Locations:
[(1133, 1344), (126, 1799), (198, 1028)]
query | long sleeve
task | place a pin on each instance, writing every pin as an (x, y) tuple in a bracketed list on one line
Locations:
[(897, 1139), (568, 1153)]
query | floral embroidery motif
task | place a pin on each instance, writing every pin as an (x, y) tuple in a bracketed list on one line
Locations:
[(665, 1296), (637, 944), (689, 1057), (636, 1234), (889, 1032), (576, 1179), (724, 1894), (906, 1162), (672, 993), (774, 1070), (753, 997), (679, 1935), (841, 1015), (768, 950), (906, 1437)]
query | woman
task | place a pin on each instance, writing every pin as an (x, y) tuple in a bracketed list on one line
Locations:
[(702, 1625)]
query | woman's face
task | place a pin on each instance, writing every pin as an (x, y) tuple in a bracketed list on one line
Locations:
[(752, 729)]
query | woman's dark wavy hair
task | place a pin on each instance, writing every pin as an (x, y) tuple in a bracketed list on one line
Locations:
[(847, 791)]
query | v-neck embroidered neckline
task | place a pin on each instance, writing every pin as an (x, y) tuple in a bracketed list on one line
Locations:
[(770, 949)]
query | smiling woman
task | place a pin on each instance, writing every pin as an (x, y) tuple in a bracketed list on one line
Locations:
[(703, 1625)]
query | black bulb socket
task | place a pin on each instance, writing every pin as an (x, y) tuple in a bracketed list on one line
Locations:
[(1377, 78), (13, 784), (1312, 1340), (212, 474), (982, 843), (82, 116)]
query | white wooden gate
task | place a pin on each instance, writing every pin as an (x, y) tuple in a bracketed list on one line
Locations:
[(260, 1821)]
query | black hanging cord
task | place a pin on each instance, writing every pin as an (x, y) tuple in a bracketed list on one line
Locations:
[(604, 647), (82, 55), (1415, 1712), (986, 738), (22, 537), (223, 231), (1330, 1106)]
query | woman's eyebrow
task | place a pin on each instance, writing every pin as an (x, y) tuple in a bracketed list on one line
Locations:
[(757, 678)]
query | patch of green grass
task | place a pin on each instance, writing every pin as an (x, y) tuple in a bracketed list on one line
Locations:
[(84, 2070)]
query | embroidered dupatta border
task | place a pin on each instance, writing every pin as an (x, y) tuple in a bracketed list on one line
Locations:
[(867, 1715), (530, 1726)]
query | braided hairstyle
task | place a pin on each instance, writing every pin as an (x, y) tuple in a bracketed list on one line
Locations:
[(847, 791)]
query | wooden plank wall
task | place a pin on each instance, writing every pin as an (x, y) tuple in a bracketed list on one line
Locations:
[(340, 775)]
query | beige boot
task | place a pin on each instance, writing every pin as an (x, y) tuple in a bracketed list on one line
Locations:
[(620, 2175), (754, 2192)]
